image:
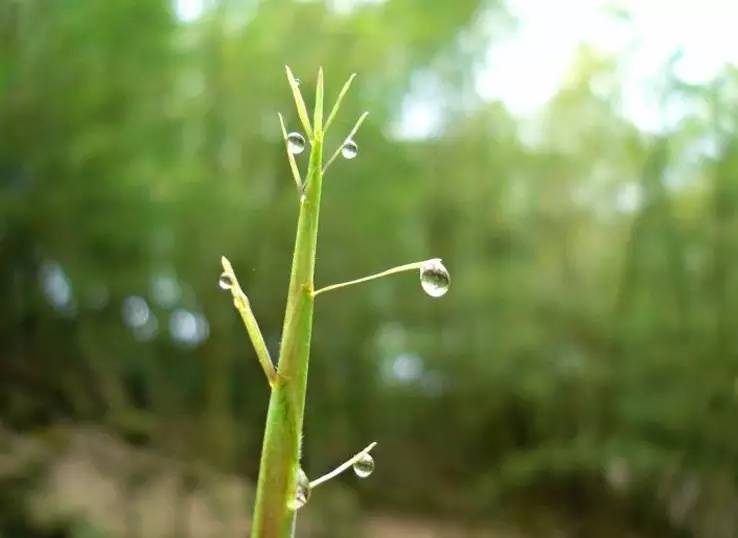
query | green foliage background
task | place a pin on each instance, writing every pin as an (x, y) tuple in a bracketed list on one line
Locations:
[(584, 366)]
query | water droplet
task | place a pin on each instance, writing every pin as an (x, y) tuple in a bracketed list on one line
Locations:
[(434, 278), (349, 150), (225, 282), (302, 492), (364, 466), (295, 143), (297, 81)]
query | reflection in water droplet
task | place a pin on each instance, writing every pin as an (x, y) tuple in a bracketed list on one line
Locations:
[(295, 143), (364, 466), (349, 149), (225, 281), (302, 491), (434, 278)]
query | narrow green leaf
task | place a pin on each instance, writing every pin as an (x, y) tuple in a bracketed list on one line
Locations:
[(299, 102), (349, 137), (242, 304), (357, 125), (318, 113), (337, 105), (290, 156)]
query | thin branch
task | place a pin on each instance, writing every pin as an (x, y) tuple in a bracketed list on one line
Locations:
[(299, 103), (341, 468), (242, 304), (349, 137), (340, 97), (398, 269), (290, 156)]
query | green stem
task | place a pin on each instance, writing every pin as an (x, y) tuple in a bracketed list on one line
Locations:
[(280, 457), (341, 468), (388, 272)]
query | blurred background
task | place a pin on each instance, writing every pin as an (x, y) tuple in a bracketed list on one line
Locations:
[(574, 163)]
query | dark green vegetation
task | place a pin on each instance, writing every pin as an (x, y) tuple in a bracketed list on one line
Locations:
[(582, 372)]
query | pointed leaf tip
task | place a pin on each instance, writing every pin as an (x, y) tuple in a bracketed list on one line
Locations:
[(299, 102), (339, 99), (318, 111)]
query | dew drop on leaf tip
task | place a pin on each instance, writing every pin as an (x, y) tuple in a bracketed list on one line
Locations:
[(295, 143), (364, 466), (349, 150), (225, 282), (434, 278)]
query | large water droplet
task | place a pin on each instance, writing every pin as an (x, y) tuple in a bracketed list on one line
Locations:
[(225, 282), (349, 149), (434, 278), (295, 143), (364, 466), (302, 491)]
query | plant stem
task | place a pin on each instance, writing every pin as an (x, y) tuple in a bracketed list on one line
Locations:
[(394, 270), (341, 468), (280, 456)]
